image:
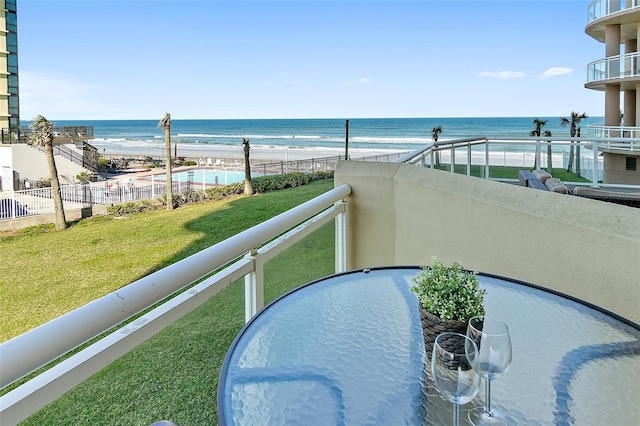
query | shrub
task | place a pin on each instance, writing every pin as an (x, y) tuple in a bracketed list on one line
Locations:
[(83, 177), (44, 183), (260, 185), (130, 207), (190, 196), (104, 164)]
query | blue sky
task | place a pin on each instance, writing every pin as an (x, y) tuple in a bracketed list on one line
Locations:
[(137, 59)]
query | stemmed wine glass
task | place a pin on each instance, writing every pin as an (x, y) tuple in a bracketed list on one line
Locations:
[(452, 371), (493, 359)]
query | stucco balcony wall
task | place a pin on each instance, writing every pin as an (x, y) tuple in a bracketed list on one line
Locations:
[(404, 214)]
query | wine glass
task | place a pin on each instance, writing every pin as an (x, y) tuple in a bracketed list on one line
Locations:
[(493, 359), (452, 371)]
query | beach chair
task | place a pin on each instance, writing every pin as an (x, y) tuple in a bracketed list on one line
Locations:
[(219, 162), (209, 161), (201, 161)]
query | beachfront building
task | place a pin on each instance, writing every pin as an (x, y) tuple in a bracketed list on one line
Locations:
[(9, 100), (617, 25)]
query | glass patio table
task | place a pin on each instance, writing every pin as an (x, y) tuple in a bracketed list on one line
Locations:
[(348, 350)]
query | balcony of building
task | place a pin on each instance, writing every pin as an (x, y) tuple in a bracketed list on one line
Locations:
[(622, 70), (602, 13), (384, 214)]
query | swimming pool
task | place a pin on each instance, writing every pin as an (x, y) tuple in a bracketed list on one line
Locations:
[(205, 177)]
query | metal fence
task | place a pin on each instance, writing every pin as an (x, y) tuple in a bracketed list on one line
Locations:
[(121, 189), (21, 134), (32, 202)]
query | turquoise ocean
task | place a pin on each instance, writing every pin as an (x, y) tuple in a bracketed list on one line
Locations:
[(394, 134)]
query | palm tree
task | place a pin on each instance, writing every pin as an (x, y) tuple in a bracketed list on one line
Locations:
[(434, 134), (248, 187), (539, 125), (536, 132), (547, 133), (165, 123), (573, 122), (41, 134)]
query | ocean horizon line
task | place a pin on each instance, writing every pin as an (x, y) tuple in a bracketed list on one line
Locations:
[(26, 122)]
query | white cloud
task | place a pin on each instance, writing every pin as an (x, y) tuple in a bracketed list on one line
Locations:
[(555, 71), (502, 75)]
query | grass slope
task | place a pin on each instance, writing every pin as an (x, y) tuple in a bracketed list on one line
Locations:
[(51, 273), (174, 375)]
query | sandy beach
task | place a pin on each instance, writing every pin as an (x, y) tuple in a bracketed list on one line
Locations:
[(230, 153)]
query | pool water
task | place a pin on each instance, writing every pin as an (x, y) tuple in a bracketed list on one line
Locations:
[(219, 177)]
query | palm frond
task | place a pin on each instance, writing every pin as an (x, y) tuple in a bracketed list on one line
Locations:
[(165, 123), (40, 131)]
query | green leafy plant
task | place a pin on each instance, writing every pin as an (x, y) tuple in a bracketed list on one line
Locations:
[(451, 293), (83, 177), (104, 164)]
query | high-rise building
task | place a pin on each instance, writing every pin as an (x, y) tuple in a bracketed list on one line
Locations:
[(616, 23), (9, 99)]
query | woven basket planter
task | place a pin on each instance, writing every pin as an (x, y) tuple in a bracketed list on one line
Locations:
[(432, 325)]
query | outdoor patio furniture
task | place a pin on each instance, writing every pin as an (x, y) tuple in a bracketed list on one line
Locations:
[(348, 349)]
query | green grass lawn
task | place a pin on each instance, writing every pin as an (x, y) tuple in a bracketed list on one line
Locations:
[(507, 172), (174, 375)]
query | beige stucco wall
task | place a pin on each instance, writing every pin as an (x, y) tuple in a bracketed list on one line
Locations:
[(403, 214), (615, 169), (30, 163)]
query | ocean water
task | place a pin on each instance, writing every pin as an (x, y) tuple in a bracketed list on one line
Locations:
[(368, 133)]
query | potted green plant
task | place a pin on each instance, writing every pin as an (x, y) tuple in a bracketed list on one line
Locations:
[(448, 297)]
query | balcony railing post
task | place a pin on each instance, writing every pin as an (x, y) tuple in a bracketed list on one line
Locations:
[(341, 238), (594, 167), (486, 160), (453, 159), (253, 286)]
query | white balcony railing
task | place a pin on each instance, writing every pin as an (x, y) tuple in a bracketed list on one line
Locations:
[(614, 67), (523, 152), (601, 8), (609, 132), (245, 255)]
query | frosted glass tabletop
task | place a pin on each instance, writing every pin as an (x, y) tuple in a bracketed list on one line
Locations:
[(348, 350)]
